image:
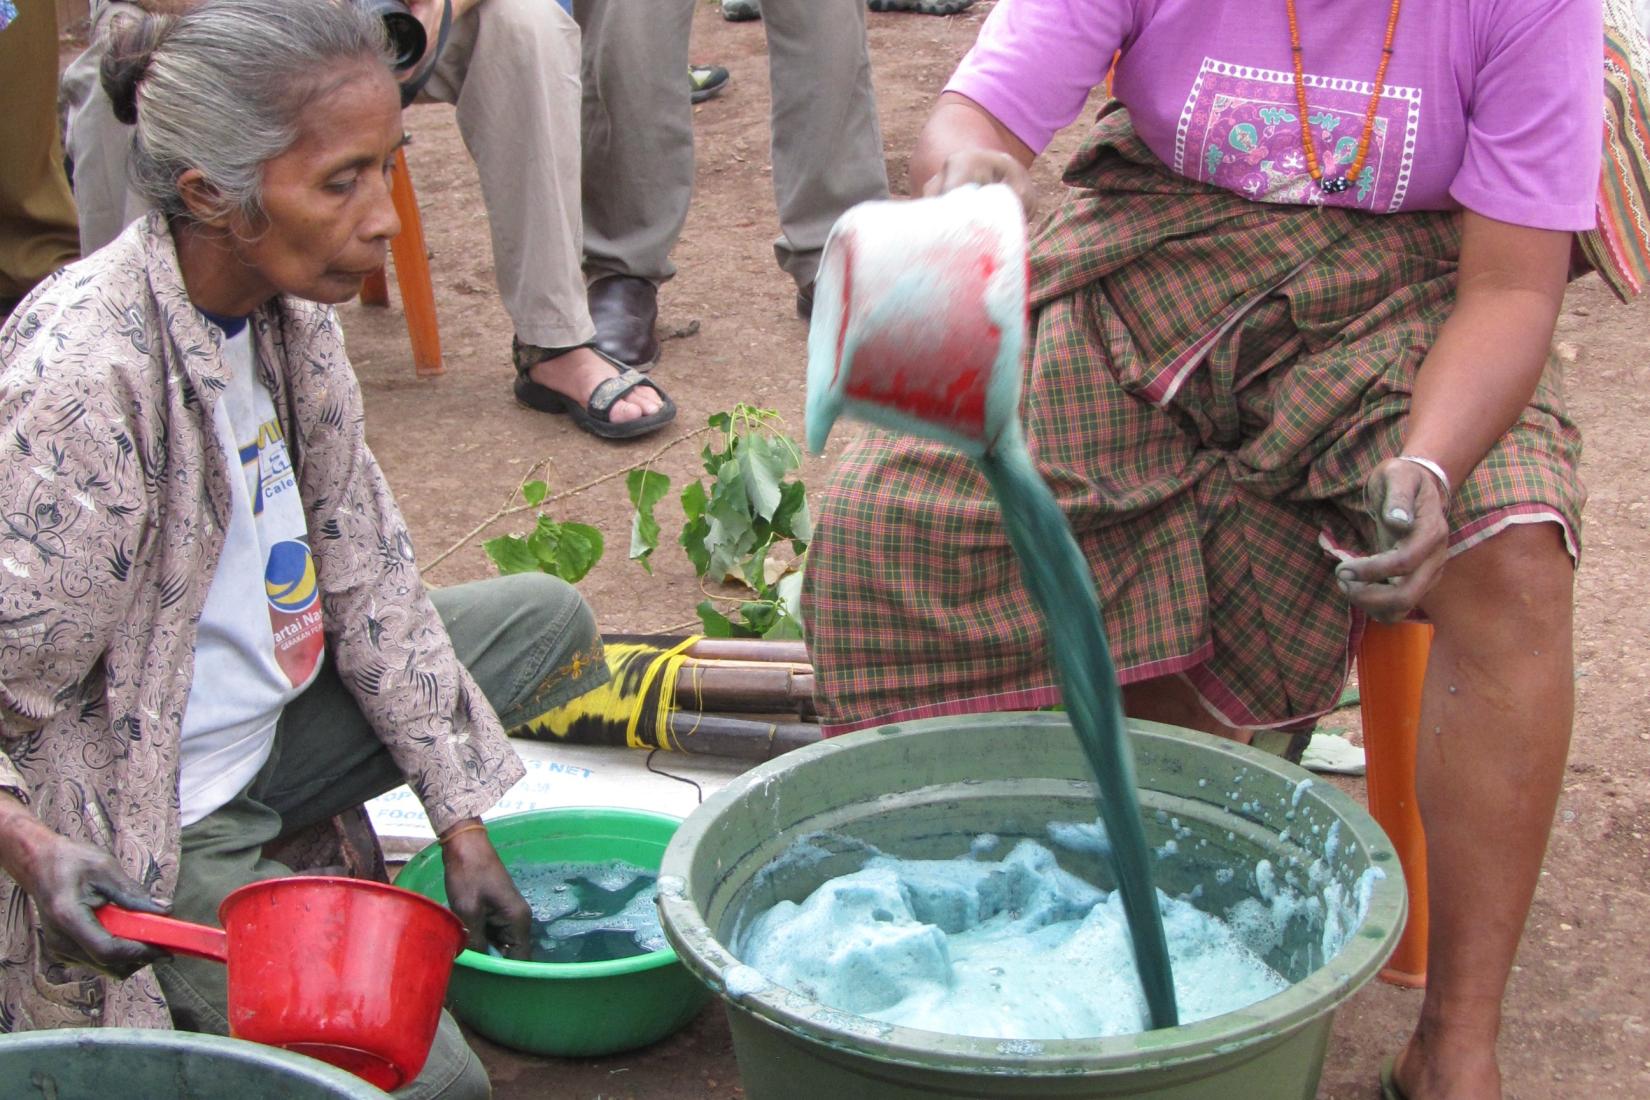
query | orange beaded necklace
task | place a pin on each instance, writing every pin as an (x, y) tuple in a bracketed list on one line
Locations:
[(1337, 184)]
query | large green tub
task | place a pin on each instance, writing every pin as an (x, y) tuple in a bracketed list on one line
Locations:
[(924, 789), (110, 1062)]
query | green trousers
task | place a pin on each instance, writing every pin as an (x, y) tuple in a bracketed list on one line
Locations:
[(516, 635)]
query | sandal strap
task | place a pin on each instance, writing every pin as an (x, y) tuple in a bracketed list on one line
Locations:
[(606, 394), (528, 356)]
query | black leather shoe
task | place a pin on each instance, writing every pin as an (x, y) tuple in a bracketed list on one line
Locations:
[(805, 301), (625, 310)]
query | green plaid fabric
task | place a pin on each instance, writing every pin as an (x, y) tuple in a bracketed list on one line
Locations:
[(1211, 382)]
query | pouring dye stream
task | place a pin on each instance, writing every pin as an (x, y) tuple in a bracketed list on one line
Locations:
[(927, 340)]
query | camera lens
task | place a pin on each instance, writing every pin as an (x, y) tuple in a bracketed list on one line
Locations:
[(402, 29), (406, 35)]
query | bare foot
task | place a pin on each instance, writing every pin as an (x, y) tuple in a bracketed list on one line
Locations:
[(577, 373)]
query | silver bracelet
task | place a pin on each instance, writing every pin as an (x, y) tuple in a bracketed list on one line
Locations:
[(1432, 468)]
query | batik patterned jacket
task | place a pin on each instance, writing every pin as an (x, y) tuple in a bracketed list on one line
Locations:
[(114, 499)]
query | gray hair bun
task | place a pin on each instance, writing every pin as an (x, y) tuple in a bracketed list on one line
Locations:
[(224, 88), (133, 40)]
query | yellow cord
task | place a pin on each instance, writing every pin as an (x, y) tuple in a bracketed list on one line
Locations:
[(667, 664)]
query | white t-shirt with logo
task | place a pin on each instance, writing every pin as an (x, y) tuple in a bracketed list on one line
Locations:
[(260, 641)]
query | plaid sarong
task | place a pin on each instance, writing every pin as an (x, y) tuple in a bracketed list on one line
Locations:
[(1211, 381)]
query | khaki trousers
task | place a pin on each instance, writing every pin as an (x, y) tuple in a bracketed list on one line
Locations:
[(638, 129), (37, 219), (511, 67)]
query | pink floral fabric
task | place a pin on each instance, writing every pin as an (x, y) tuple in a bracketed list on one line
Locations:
[(1240, 129), (114, 498)]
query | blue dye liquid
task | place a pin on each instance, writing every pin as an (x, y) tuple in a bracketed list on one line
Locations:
[(1010, 948), (590, 912)]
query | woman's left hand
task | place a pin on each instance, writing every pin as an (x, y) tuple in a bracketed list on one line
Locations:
[(1412, 530), (483, 895)]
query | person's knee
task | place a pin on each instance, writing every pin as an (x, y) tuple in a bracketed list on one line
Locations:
[(545, 647), (451, 1072), (1174, 701), (568, 626), (1523, 577), (471, 1082), (530, 32), (548, 606)]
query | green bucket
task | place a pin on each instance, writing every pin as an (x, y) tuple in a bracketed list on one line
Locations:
[(568, 1009), (100, 1062), (924, 790)]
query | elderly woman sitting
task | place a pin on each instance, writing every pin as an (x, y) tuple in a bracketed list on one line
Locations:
[(212, 631)]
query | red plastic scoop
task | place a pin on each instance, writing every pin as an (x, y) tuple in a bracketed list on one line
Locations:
[(920, 319), (344, 970)]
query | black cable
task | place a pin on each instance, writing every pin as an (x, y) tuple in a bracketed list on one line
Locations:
[(648, 763)]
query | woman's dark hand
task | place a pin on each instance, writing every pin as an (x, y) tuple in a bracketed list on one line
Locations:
[(68, 881), (982, 166), (483, 895), (1412, 530)]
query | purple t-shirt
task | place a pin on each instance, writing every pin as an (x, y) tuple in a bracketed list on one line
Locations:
[(1492, 105)]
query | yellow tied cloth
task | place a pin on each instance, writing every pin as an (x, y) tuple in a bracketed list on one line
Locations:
[(633, 709)]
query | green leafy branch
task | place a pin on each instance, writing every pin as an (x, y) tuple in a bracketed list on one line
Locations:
[(540, 499), (562, 549), (747, 521)]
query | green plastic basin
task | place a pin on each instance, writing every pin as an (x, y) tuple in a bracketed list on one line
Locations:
[(925, 789), (568, 1009), (98, 1063)]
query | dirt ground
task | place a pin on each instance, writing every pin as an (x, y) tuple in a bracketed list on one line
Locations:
[(455, 447)]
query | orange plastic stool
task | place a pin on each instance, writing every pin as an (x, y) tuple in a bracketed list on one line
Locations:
[(412, 274), (1392, 664)]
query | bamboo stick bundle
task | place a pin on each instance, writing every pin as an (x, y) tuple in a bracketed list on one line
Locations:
[(750, 649), (745, 686), (719, 735), (767, 686), (738, 674)]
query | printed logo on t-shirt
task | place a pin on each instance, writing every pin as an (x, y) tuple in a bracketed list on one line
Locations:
[(274, 464), (294, 608), (1241, 130), (289, 568)]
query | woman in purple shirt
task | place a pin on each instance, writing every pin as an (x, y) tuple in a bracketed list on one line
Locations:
[(1290, 370)]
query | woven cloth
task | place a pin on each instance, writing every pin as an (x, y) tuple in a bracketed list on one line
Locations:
[(632, 709), (1620, 247), (1211, 382)]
